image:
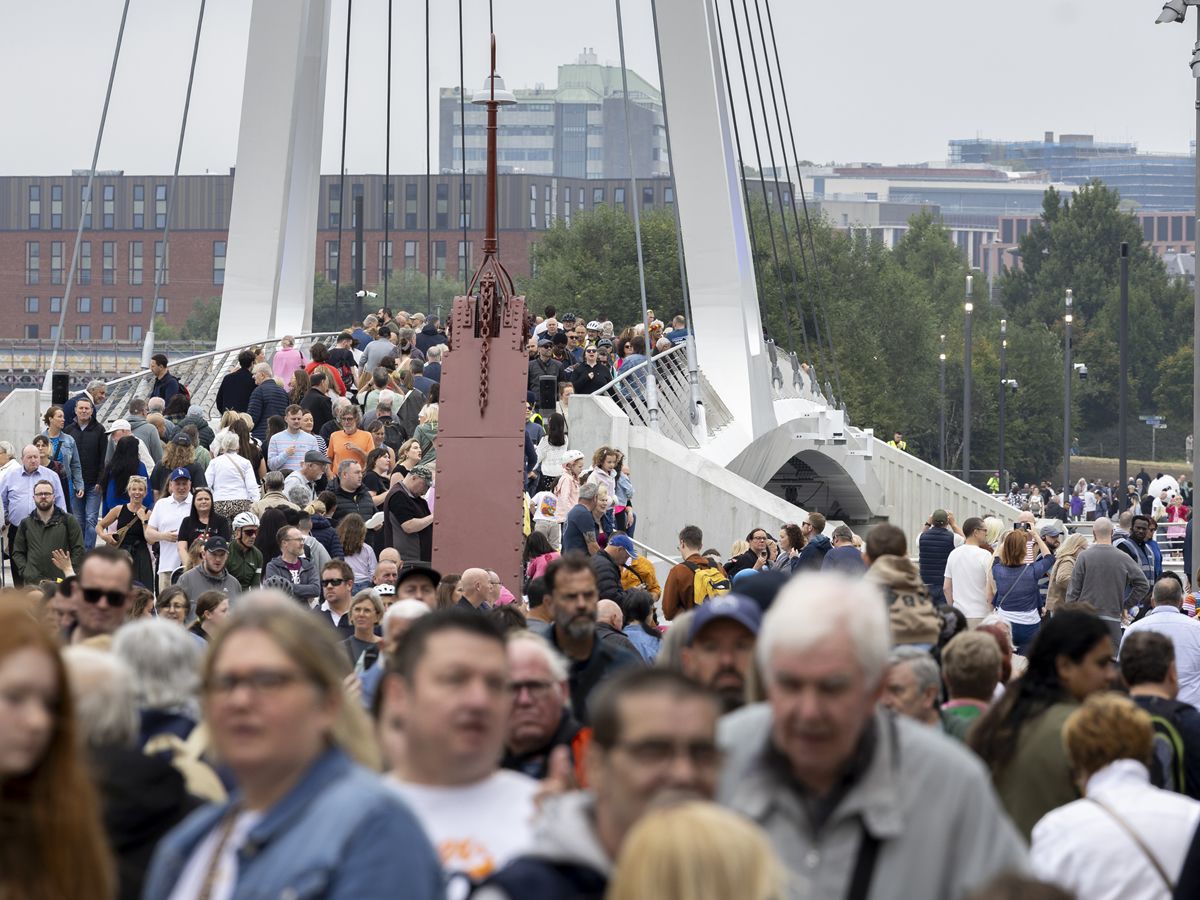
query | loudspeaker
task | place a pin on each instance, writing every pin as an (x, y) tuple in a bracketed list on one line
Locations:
[(547, 393), (60, 387)]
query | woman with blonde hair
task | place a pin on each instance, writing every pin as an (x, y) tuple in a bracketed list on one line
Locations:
[(1064, 568), (300, 793), (696, 851), (231, 476), (54, 844), (130, 534), (995, 529), (426, 433)]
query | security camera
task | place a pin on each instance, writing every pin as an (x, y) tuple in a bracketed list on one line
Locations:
[(371, 294), (1010, 383), (1081, 371)]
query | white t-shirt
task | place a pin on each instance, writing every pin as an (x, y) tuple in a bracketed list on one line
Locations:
[(476, 828), (168, 515), (967, 569), (194, 874)]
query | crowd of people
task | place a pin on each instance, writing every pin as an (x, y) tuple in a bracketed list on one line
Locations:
[(229, 670)]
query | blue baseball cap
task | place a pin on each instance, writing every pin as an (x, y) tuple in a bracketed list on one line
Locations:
[(625, 543), (180, 473), (738, 607)]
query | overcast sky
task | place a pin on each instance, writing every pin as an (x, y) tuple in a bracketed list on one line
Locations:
[(870, 80)]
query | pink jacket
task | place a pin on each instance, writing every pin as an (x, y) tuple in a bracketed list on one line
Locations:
[(538, 565), (285, 362)]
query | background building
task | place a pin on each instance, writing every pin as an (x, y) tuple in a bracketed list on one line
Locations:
[(574, 130)]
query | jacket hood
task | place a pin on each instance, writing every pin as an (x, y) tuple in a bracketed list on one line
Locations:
[(320, 522), (564, 833), (820, 540), (429, 328), (914, 619)]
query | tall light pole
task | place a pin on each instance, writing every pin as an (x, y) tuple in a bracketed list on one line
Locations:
[(942, 406), (1003, 392), (1067, 319), (968, 308)]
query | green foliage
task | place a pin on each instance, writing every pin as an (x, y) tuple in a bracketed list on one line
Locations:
[(164, 331), (407, 290), (201, 324)]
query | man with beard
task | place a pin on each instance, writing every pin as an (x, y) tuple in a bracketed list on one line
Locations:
[(447, 690), (572, 595), (100, 593), (720, 647), (46, 541)]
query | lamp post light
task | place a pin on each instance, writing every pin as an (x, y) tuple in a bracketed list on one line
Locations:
[(1003, 393), (1067, 319), (968, 308), (942, 406), (1174, 11)]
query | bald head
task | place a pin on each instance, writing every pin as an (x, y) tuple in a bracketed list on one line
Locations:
[(609, 612), (1102, 530), (475, 586), (1026, 516), (390, 554), (31, 457)]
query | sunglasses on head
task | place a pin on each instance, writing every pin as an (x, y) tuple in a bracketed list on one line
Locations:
[(115, 599)]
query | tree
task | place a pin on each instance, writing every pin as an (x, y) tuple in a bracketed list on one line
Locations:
[(201, 324), (406, 290)]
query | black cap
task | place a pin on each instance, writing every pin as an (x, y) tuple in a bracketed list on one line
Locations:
[(417, 569)]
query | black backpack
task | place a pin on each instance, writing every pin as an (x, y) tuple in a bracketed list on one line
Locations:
[(1166, 758)]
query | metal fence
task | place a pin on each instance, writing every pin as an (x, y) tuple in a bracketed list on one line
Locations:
[(793, 380)]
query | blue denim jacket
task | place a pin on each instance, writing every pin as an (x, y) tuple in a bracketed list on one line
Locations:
[(340, 834)]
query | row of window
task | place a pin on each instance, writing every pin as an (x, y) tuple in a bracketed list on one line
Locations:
[(441, 210), (84, 333), (84, 306), (412, 253), (108, 207), (108, 272)]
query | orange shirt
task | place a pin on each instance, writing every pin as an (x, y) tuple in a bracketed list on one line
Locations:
[(350, 446)]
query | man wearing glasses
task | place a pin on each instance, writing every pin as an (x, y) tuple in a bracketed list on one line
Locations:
[(16, 493), (337, 586), (48, 542), (590, 374), (966, 582), (295, 568), (163, 527), (100, 593)]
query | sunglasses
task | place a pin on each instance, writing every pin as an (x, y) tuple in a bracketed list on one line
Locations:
[(116, 599), (250, 532), (332, 582)]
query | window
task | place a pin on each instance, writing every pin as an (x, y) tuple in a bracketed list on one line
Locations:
[(218, 262), (1162, 227), (31, 304), (1022, 228), (56, 206), (439, 259), (464, 257), (135, 332), (648, 197), (669, 196), (464, 215), (31, 332), (353, 273), (108, 332), (356, 192), (389, 206), (83, 332), (619, 197), (53, 332), (135, 262), (1006, 231), (533, 206), (1190, 221), (410, 205), (55, 304), (160, 206), (385, 259), (331, 261), (110, 262), (547, 209), (85, 262), (162, 263), (443, 206), (108, 305), (410, 256), (160, 306), (109, 219), (567, 205), (1148, 228), (35, 206), (1177, 228), (139, 206), (335, 205), (597, 196), (85, 203), (33, 262), (135, 306), (56, 262), (83, 305)]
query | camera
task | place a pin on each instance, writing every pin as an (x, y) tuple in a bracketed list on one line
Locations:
[(1024, 526), (1081, 371)]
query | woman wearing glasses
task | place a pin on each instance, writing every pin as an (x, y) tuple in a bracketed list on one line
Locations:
[(314, 821), (130, 534), (54, 844)]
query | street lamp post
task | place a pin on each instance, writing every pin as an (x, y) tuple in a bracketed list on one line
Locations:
[(1067, 319), (968, 308), (942, 406), (1003, 392)]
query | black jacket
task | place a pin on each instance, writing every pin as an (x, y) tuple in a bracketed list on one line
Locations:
[(584, 675), (92, 444), (589, 379), (324, 532), (165, 387), (235, 390), (536, 762), (320, 406), (538, 369), (428, 337), (608, 578)]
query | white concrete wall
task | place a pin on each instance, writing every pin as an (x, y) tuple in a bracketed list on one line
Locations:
[(20, 416)]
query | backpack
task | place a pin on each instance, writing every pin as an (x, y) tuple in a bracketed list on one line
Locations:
[(393, 434), (183, 389), (707, 581), (1166, 759)]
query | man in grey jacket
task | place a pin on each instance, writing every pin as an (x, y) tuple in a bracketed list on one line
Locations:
[(1108, 579), (211, 574), (849, 794)]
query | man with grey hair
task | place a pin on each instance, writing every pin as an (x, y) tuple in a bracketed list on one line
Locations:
[(143, 430), (433, 363), (95, 391), (17, 491), (273, 495), (307, 477), (266, 400), (1107, 579), (579, 529), (409, 521), (541, 718), (1167, 618), (912, 685), (843, 556), (848, 794), (384, 404), (165, 663)]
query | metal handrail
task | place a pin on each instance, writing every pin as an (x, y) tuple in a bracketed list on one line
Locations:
[(202, 373), (647, 550)]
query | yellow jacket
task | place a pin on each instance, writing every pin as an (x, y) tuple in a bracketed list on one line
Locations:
[(640, 574)]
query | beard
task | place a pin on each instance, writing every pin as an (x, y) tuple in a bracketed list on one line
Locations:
[(579, 627)]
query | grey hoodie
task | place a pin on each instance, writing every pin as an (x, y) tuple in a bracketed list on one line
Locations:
[(563, 833), (148, 435)]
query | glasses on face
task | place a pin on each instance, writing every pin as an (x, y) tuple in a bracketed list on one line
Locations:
[(174, 607), (662, 751), (332, 582), (538, 690), (43, 495), (250, 532), (116, 599), (260, 681)]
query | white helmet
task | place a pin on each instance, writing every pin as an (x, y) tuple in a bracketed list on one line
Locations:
[(242, 519), (593, 326)]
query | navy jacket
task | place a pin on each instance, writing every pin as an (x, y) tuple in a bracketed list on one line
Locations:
[(813, 553), (268, 399), (235, 390), (935, 546)]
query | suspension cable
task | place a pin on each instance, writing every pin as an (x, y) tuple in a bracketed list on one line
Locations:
[(428, 181), (462, 141), (803, 199), (85, 204), (651, 381), (337, 271), (160, 268), (389, 196), (737, 34), (762, 99)]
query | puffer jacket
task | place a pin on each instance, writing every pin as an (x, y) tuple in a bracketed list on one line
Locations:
[(326, 534), (915, 620)]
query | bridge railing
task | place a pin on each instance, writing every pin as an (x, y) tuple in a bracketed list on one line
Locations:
[(202, 373), (628, 391), (793, 380)]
